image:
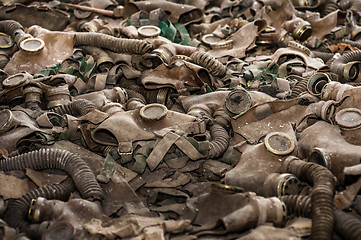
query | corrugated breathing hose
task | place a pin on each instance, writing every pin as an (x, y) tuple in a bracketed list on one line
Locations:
[(325, 56), (207, 61), (352, 43), (329, 7), (71, 163), (297, 205), (118, 45), (16, 213), (299, 88), (149, 95), (347, 225), (13, 29), (347, 61), (76, 108), (322, 194), (220, 141)]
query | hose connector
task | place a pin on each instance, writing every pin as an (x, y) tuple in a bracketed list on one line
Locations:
[(316, 83)]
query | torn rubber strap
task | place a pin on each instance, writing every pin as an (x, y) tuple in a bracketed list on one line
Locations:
[(185, 146), (139, 164), (97, 82), (48, 119), (80, 86), (161, 149), (144, 148)]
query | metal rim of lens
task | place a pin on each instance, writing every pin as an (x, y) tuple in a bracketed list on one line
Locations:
[(179, 57), (239, 111), (206, 40), (319, 156), (122, 93), (35, 208), (162, 96), (303, 31), (81, 14), (32, 50), (157, 117), (229, 188), (10, 41), (264, 42), (144, 31), (160, 54), (275, 151), (222, 44), (348, 125), (8, 83), (8, 120), (314, 82)]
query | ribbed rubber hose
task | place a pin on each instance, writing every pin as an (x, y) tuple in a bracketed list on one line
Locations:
[(149, 95), (347, 225), (13, 29), (325, 56), (329, 7), (71, 163), (4, 59), (76, 108), (220, 141), (299, 88), (17, 210), (297, 205), (135, 95), (118, 45), (339, 64), (207, 61), (322, 194)]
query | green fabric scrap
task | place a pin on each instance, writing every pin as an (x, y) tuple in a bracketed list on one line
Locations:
[(107, 170)]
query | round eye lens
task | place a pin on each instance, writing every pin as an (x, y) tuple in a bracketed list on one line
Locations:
[(32, 45), (349, 118), (15, 80), (5, 119), (153, 112), (149, 31), (5, 41), (279, 143), (238, 101)]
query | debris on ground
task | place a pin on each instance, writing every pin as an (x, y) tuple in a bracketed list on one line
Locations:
[(182, 119)]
